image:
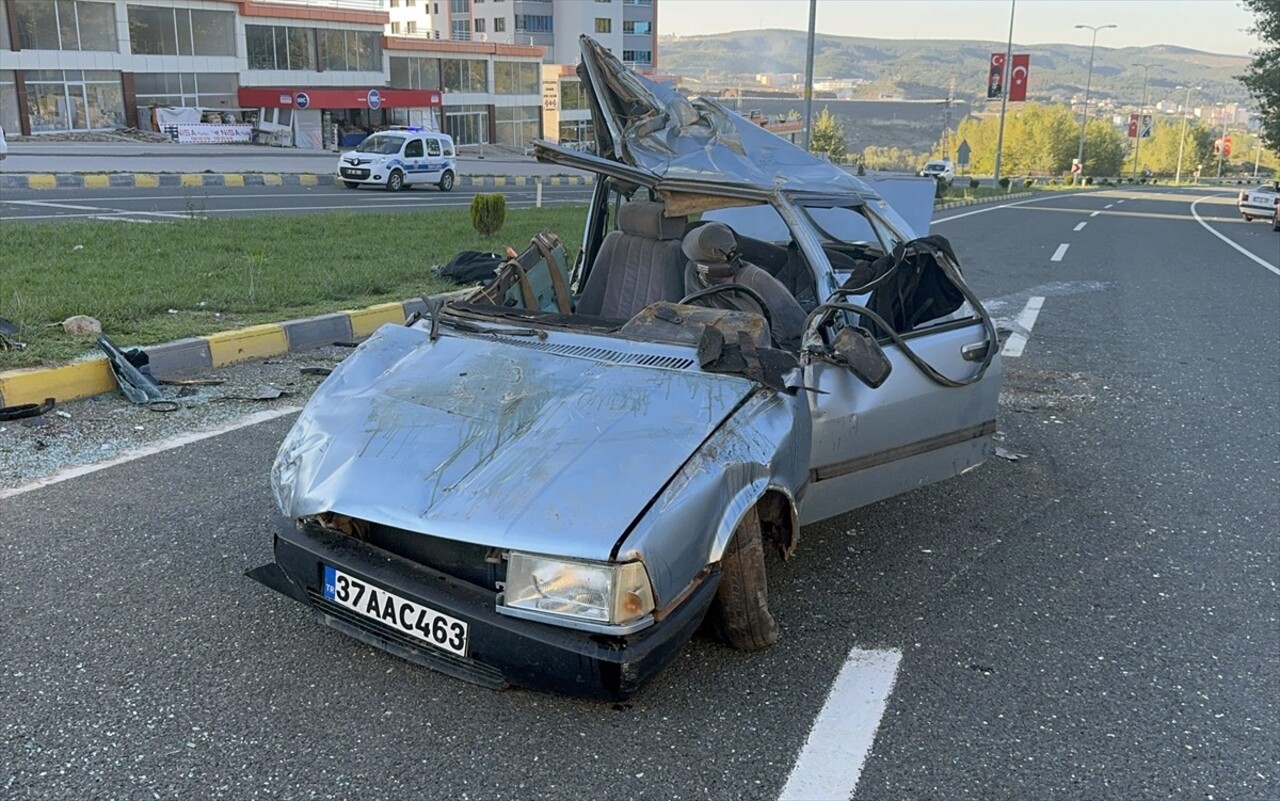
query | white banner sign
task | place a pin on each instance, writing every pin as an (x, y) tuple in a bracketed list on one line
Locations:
[(209, 134)]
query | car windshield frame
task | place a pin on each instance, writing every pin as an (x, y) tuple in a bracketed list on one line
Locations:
[(375, 144)]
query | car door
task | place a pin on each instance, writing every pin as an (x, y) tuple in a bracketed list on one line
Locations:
[(873, 443), (434, 161), (415, 162)]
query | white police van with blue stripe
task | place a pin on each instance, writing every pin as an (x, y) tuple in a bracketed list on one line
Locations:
[(401, 157)]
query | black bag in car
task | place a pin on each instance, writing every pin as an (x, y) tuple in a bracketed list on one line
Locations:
[(471, 266)]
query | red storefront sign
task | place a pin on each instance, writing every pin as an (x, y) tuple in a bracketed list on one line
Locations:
[(342, 97)]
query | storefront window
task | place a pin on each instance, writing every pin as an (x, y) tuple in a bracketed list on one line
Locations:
[(464, 75), (415, 73), (9, 102), (468, 125), (66, 25), (517, 126), (181, 32), (572, 98), (515, 78), (208, 90), (74, 100)]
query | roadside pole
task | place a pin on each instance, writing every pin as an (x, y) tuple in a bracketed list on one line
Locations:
[(808, 73), (1004, 93)]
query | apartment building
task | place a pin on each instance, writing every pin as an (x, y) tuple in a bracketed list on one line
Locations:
[(317, 71)]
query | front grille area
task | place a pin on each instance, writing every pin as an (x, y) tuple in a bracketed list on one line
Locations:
[(360, 175), (408, 647), (461, 560), (604, 354)]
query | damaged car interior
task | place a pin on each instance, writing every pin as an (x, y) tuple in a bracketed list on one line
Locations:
[(553, 479)]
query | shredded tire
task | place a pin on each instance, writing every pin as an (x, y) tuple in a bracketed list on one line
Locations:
[(741, 611)]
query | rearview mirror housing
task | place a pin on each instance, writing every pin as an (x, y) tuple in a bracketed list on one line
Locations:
[(855, 348)]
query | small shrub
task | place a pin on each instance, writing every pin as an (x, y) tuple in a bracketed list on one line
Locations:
[(974, 183), (1053, 182), (1029, 182), (1004, 184), (1070, 180), (1088, 180), (488, 213)]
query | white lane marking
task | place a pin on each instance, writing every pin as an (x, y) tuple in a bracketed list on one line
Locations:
[(1080, 226), (1095, 214), (148, 450), (511, 204), (1022, 328), (1109, 205), (1121, 200), (994, 208), (1273, 268), (842, 735), (370, 196), (50, 204), (1060, 252)]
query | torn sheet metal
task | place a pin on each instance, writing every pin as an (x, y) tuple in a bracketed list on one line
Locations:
[(485, 440), (128, 367), (659, 132)]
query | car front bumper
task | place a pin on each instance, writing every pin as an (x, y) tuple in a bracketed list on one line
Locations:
[(502, 650)]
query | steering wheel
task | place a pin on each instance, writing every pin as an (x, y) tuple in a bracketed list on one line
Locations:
[(719, 289)]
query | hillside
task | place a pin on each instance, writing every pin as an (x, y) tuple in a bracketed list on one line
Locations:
[(924, 68)]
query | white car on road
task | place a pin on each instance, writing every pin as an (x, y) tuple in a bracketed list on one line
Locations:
[(1260, 202), (401, 157), (942, 170)]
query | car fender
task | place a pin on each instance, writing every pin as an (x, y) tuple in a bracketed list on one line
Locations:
[(761, 450)]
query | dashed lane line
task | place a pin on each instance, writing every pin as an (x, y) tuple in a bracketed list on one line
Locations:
[(1022, 328), (1080, 226), (831, 760), (1095, 214), (1060, 252), (1247, 253), (1109, 205), (1121, 200)]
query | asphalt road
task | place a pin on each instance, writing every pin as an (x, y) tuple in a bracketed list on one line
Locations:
[(1097, 619), (153, 205)]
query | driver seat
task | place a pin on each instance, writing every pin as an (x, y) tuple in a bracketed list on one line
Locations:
[(712, 250), (638, 264)]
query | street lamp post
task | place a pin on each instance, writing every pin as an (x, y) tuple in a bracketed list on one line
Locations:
[(1182, 140), (1084, 118), (1142, 110)]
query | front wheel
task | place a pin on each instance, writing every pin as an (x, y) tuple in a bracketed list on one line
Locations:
[(446, 182), (741, 608), (1247, 217), (395, 181), (351, 184)]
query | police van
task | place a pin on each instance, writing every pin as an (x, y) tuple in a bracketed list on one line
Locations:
[(401, 157)]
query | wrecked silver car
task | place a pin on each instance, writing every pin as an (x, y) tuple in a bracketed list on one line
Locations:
[(554, 479)]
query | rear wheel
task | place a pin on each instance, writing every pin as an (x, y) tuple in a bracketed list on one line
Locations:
[(740, 613), (395, 181), (1247, 217), (446, 181), (351, 184)]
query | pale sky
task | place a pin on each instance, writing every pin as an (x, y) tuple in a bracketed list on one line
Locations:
[(1218, 26)]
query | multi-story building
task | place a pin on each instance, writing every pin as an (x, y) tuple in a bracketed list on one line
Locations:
[(316, 70)]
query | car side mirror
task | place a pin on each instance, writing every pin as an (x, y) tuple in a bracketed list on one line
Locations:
[(856, 349)]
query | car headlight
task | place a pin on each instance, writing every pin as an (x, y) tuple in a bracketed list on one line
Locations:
[(592, 592)]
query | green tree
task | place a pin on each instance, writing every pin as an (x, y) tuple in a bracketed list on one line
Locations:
[(1263, 76), (1104, 149), (828, 137)]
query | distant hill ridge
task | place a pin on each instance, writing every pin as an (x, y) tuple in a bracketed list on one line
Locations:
[(924, 68)]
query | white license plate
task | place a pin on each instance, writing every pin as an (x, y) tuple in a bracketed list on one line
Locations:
[(414, 619)]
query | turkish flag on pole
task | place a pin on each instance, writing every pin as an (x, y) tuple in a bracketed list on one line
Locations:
[(995, 76), (1018, 78), (1133, 126)]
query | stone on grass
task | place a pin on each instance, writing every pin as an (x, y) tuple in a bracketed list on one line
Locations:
[(82, 325)]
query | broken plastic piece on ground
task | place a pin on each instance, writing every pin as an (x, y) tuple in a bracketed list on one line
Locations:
[(163, 406), (315, 370), (26, 410), (1005, 453), (128, 370), (8, 329)]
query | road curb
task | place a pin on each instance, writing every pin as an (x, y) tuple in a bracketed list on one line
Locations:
[(81, 379), (192, 180)]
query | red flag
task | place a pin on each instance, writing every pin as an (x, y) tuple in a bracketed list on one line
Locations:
[(1018, 78), (1133, 126), (995, 76)]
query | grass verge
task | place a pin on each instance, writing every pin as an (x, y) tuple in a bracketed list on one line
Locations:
[(149, 284)]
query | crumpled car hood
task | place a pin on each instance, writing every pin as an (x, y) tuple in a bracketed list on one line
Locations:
[(495, 443)]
